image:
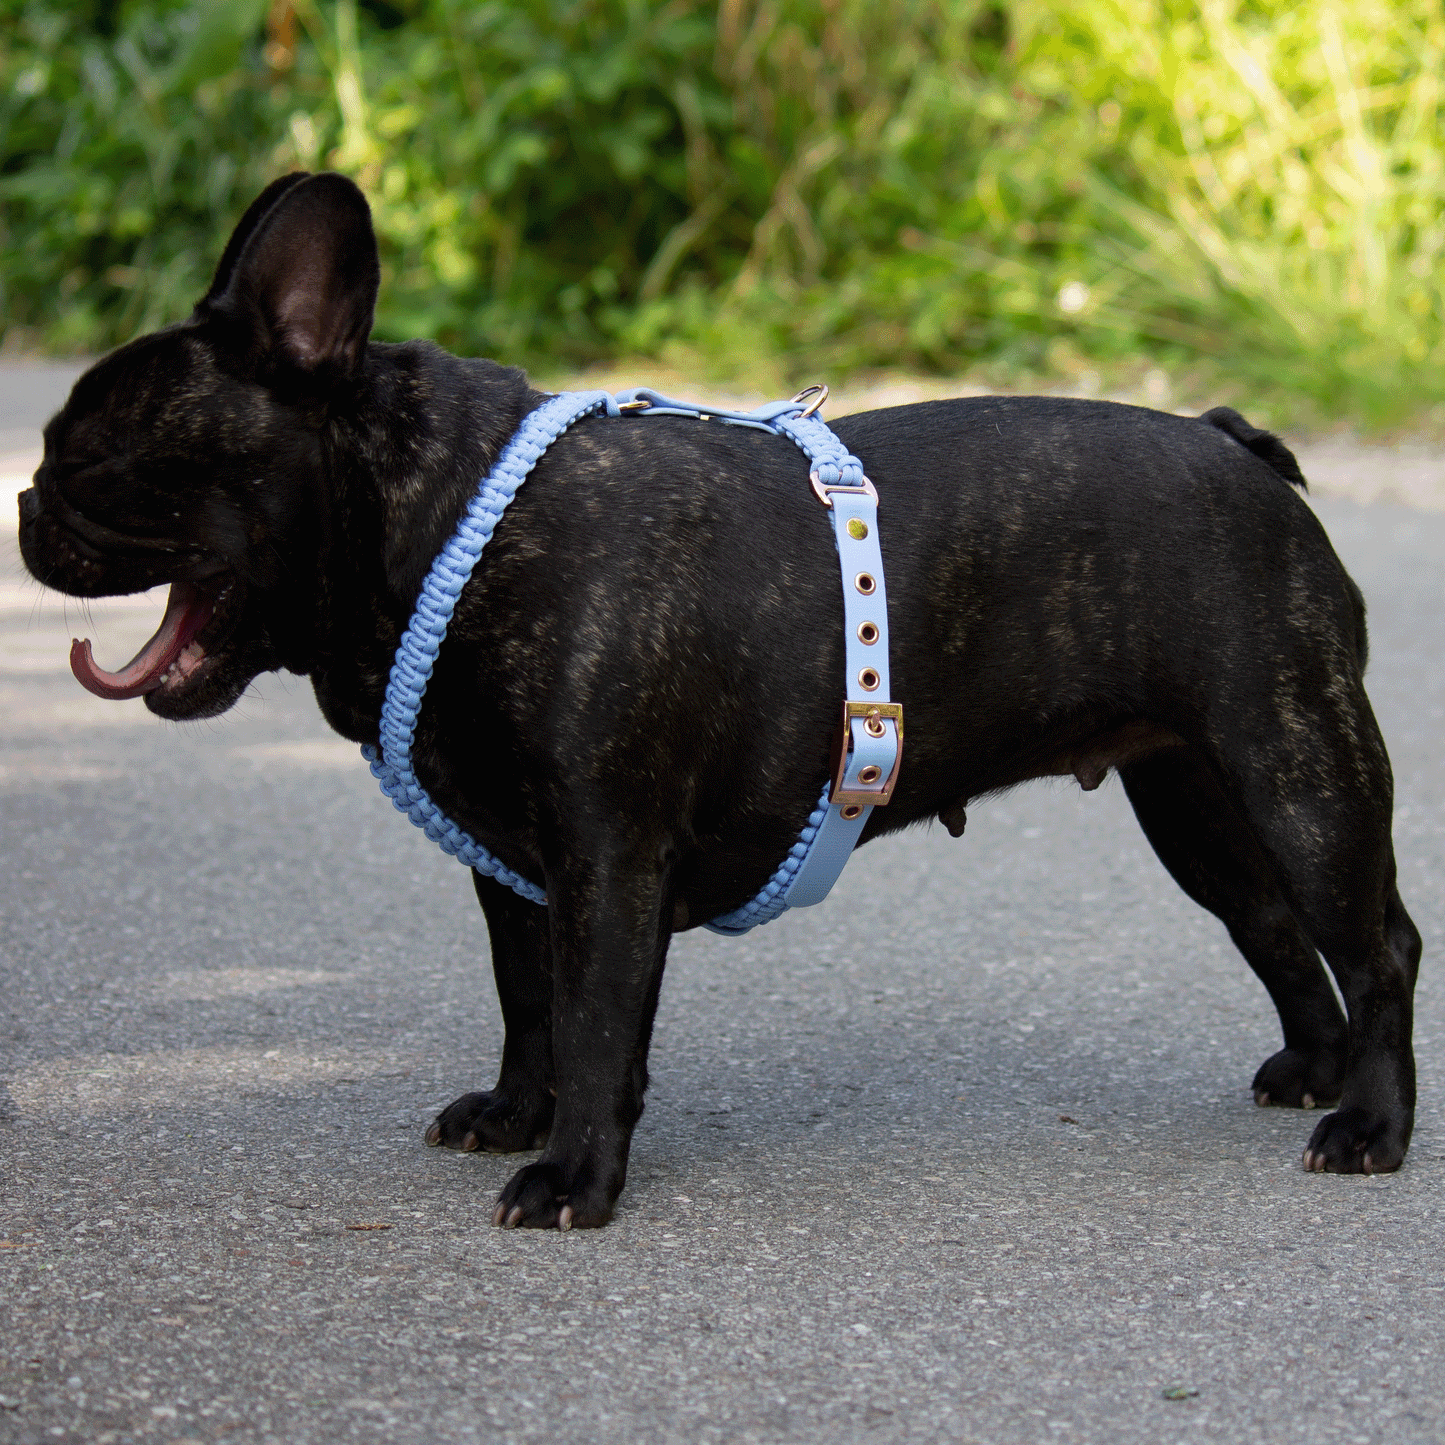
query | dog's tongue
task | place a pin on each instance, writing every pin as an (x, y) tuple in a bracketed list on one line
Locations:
[(187, 611)]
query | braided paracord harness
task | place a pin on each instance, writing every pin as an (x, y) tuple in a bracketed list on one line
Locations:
[(871, 735)]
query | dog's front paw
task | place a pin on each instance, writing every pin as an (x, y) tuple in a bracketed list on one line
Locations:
[(550, 1196), (494, 1123), (1293, 1079), (1356, 1141)]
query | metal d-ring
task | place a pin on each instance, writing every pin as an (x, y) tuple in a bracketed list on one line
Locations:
[(818, 392)]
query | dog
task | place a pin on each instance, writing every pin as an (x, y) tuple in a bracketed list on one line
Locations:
[(636, 702)]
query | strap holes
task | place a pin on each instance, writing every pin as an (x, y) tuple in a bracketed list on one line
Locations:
[(851, 811), (870, 774), (867, 633), (865, 584), (868, 679)]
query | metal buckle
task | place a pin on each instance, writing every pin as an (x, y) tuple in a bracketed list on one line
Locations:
[(871, 797), (818, 392), (641, 404), (826, 489)]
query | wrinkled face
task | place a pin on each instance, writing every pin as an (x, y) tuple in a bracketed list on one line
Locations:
[(163, 468), (191, 456)]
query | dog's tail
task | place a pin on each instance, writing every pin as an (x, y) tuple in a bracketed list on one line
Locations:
[(1265, 445), (1268, 448)]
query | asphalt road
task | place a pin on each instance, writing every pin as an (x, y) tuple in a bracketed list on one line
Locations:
[(966, 1154)]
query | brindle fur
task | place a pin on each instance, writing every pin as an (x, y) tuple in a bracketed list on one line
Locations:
[(635, 704)]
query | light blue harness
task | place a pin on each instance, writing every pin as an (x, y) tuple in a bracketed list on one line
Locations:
[(870, 745)]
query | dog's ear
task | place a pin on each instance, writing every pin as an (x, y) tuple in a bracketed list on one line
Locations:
[(248, 223), (300, 290)]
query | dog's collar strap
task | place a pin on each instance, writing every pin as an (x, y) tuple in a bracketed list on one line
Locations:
[(869, 744)]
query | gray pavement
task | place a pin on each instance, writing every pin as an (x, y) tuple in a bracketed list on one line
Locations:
[(965, 1154)]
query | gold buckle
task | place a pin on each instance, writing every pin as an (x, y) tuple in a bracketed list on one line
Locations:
[(871, 712)]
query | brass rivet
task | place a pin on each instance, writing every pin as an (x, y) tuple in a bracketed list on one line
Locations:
[(867, 633), (857, 529), (870, 774), (864, 583), (868, 679), (851, 810)]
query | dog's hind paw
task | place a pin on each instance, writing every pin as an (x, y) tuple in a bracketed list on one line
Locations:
[(493, 1123), (1355, 1141), (549, 1196), (1292, 1079)]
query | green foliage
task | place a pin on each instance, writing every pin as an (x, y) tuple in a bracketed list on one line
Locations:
[(768, 186), (125, 160), (1277, 200)]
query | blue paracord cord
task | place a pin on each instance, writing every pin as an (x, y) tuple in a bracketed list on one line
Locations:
[(420, 644), (769, 901)]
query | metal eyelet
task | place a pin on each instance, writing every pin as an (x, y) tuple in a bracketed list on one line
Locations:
[(865, 584), (868, 679), (870, 774), (867, 634), (851, 811)]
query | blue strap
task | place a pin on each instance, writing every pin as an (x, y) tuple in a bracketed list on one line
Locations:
[(422, 640), (645, 401), (872, 726)]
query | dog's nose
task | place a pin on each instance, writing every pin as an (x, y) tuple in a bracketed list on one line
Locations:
[(29, 506)]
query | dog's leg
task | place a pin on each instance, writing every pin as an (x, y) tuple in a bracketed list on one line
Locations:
[(1311, 776), (1323, 816), (1375, 963), (517, 1113), (1210, 852), (610, 924)]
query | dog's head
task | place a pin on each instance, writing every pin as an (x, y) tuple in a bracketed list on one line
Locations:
[(190, 456)]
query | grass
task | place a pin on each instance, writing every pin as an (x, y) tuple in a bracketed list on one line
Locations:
[(1246, 199)]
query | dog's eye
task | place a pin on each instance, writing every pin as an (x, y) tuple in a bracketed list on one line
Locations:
[(76, 469)]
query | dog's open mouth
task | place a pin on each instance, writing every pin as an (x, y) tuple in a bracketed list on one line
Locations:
[(175, 654)]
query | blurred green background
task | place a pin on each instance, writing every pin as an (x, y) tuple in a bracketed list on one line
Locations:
[(1248, 197)]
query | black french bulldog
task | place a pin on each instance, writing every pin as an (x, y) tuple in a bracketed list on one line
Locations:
[(1075, 586)]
